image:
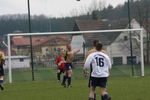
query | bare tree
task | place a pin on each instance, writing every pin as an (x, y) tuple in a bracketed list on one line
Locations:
[(141, 9), (74, 12), (97, 6), (124, 42), (147, 10)]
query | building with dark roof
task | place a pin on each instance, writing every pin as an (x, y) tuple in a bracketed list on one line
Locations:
[(115, 43), (105, 38)]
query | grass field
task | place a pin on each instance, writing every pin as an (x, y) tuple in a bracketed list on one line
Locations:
[(123, 88), (47, 73), (45, 87)]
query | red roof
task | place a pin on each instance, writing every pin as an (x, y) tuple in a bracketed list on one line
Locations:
[(24, 41)]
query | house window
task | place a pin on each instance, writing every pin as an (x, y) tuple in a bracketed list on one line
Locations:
[(129, 60), (46, 49), (125, 38), (58, 49), (117, 60), (21, 60)]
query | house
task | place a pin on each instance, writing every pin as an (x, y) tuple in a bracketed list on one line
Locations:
[(85, 25), (22, 44), (45, 48), (118, 50)]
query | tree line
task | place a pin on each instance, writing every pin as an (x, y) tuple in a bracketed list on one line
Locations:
[(140, 10), (13, 23)]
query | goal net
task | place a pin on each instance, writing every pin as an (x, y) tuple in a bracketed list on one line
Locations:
[(32, 56)]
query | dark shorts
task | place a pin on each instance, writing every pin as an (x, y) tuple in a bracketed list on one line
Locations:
[(61, 70), (1, 70), (68, 66), (101, 82)]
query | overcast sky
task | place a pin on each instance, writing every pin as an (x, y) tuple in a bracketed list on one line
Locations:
[(53, 8)]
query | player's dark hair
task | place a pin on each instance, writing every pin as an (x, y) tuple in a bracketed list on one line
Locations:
[(95, 42), (99, 46)]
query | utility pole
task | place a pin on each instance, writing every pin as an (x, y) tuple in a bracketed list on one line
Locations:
[(131, 49), (31, 47)]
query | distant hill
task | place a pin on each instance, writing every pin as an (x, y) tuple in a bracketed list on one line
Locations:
[(19, 22)]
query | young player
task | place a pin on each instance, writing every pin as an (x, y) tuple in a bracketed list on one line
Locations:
[(69, 56), (2, 62), (100, 64), (88, 53), (60, 64)]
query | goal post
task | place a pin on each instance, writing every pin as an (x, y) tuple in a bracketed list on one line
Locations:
[(75, 33), (142, 53)]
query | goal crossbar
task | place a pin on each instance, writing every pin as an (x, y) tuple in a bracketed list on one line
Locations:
[(74, 32)]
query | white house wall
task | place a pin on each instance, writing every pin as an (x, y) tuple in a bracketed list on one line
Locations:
[(77, 42), (116, 51), (16, 63), (118, 48)]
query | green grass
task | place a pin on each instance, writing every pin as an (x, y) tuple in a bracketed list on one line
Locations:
[(120, 88), (47, 73)]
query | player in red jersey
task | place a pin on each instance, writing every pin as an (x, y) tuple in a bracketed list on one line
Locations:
[(60, 64)]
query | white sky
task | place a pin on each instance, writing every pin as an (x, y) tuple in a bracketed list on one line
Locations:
[(53, 8)]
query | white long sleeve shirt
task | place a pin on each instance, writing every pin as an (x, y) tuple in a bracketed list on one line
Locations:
[(99, 63)]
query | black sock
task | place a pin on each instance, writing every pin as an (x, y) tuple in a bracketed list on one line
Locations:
[(1, 81), (91, 98), (1, 87), (58, 76), (105, 97), (101, 97), (69, 81), (94, 96), (64, 79)]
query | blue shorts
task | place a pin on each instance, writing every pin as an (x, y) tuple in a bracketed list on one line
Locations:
[(68, 66), (101, 82), (1, 70)]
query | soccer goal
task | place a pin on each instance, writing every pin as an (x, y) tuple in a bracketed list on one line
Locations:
[(32, 56)]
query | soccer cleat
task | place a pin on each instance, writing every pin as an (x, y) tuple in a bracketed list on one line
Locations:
[(58, 81), (69, 86), (109, 98), (63, 84), (2, 88)]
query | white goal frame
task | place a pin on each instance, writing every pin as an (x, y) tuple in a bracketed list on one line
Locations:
[(72, 33)]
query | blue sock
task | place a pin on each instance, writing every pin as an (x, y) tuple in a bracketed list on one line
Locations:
[(105, 97), (1, 81)]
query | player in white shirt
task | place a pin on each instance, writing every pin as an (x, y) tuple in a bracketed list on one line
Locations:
[(99, 63)]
